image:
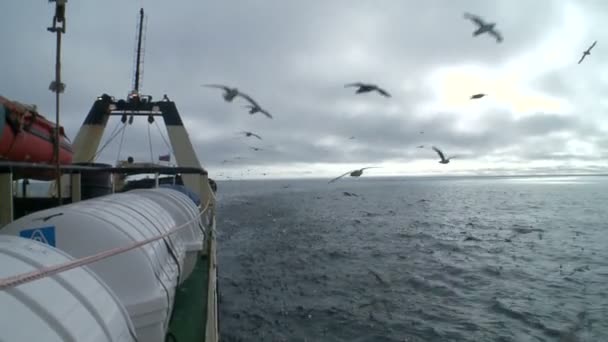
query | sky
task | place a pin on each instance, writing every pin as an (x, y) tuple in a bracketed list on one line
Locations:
[(544, 113)]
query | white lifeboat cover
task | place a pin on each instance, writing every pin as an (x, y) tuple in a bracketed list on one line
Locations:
[(144, 278), (185, 213), (74, 305), (183, 210)]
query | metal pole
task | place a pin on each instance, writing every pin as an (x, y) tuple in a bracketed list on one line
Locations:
[(58, 87), (57, 135)]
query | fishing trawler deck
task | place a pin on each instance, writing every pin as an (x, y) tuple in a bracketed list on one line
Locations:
[(194, 312)]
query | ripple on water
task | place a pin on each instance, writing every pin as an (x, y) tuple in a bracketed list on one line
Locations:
[(391, 264)]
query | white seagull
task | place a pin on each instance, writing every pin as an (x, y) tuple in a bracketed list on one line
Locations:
[(231, 93)]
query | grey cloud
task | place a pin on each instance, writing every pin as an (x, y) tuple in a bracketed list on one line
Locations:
[(294, 58)]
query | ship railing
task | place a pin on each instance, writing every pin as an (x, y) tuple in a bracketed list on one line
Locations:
[(11, 171)]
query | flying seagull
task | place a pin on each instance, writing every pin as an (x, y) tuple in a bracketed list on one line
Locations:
[(251, 134), (353, 173), (255, 108), (420, 146), (483, 27), (443, 160), (255, 148), (231, 93), (477, 96), (367, 87), (587, 53)]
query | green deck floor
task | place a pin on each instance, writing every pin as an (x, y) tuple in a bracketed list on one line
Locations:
[(190, 308)]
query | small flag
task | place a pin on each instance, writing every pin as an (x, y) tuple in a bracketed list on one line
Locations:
[(165, 157)]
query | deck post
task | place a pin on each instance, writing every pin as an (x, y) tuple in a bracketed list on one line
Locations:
[(6, 198), (206, 194), (75, 186)]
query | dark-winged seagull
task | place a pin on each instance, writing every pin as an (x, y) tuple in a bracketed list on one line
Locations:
[(251, 134), (255, 148), (483, 27), (477, 96), (587, 53), (443, 160), (367, 87), (353, 173), (255, 108)]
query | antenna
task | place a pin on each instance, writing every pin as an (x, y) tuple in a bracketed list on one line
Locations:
[(139, 54)]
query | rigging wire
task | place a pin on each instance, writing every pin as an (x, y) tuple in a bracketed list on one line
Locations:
[(113, 135), (164, 138), (122, 138)]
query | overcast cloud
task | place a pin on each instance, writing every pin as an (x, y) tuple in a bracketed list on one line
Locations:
[(544, 112)]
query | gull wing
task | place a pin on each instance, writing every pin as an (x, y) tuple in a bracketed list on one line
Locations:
[(335, 179), (370, 167), (476, 19), (226, 88), (582, 58), (592, 45), (263, 111), (438, 152), (248, 98), (496, 35), (356, 84), (383, 92)]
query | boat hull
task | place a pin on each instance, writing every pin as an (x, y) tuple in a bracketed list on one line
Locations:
[(27, 136)]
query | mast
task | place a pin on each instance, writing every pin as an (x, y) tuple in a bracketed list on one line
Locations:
[(139, 54), (56, 86)]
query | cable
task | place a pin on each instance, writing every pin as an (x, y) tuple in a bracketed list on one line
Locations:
[(108, 141), (163, 136), (122, 137)]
